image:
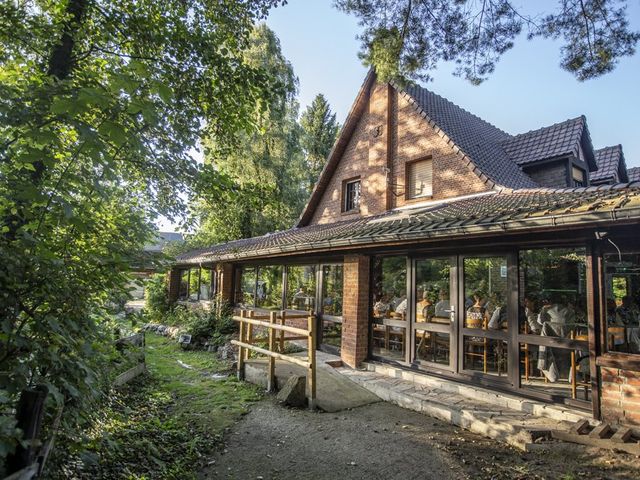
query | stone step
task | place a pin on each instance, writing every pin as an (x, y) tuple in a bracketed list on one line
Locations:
[(498, 399), (514, 427)]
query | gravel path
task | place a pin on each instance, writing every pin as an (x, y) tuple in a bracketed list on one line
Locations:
[(382, 441)]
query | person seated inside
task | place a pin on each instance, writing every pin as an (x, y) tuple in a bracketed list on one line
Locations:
[(443, 306), (556, 317), (423, 313), (476, 313), (498, 317), (301, 299), (530, 316), (381, 307), (401, 308), (628, 313)]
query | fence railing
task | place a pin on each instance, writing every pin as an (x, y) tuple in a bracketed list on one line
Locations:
[(274, 324)]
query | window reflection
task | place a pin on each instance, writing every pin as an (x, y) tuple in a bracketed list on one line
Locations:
[(184, 285), (301, 287), (485, 293), (388, 327), (332, 290), (205, 284), (553, 304), (622, 278), (245, 295), (269, 287)]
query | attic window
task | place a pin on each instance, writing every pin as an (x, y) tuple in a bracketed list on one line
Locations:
[(577, 175), (420, 178), (351, 195)]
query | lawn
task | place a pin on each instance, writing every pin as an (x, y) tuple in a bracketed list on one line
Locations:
[(163, 425)]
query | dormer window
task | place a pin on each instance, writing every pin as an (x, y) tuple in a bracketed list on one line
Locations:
[(420, 178), (351, 195), (577, 175)]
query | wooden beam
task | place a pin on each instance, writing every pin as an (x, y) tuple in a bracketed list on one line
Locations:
[(260, 323), (277, 355), (241, 349)]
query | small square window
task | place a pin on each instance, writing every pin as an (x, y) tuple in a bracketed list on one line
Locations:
[(351, 195), (420, 179)]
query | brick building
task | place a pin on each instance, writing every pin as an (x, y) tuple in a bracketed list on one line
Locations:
[(437, 242)]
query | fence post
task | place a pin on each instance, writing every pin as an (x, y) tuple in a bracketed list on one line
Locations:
[(29, 415), (241, 349), (248, 335), (311, 374), (281, 333), (271, 370)]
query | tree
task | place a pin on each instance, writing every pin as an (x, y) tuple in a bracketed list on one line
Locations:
[(319, 131), (406, 39), (265, 169), (100, 103)]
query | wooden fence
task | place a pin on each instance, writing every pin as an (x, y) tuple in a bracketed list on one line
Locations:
[(274, 324)]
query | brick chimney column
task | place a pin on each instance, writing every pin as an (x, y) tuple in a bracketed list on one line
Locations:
[(225, 281), (355, 310)]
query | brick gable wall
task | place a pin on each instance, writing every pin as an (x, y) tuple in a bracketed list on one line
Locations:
[(405, 136)]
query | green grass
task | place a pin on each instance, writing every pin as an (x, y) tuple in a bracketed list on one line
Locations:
[(164, 424)]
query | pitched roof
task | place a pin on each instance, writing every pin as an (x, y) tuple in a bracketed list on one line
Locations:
[(611, 165), (479, 141), (557, 140), (499, 212), (634, 174)]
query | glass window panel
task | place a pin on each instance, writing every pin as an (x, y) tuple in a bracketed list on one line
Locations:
[(331, 333), (432, 346), (553, 294), (245, 297), (485, 355), (301, 287), (485, 293), (432, 290), (193, 283), (205, 284), (269, 288), (332, 290), (622, 280), (560, 372), (184, 285), (389, 302)]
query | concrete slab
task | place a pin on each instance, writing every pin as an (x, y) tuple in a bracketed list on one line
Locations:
[(334, 392)]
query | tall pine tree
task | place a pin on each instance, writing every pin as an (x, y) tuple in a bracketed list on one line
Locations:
[(319, 131)]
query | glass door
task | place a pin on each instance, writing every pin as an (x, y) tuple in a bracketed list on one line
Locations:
[(433, 326), (484, 318), (330, 307)]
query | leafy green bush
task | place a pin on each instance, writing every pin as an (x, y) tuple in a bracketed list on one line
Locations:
[(157, 298)]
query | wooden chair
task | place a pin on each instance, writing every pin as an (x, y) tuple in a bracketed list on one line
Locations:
[(617, 337), (525, 350), (477, 347), (575, 366)]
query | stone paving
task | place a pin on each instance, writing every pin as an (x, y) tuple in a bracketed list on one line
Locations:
[(518, 422)]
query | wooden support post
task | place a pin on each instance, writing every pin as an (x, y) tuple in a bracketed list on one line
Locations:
[(271, 369), (241, 350), (29, 414), (248, 335), (282, 322), (311, 373)]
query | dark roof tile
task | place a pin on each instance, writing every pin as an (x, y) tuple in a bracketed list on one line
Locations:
[(496, 211)]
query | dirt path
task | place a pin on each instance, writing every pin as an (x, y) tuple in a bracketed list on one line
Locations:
[(382, 441)]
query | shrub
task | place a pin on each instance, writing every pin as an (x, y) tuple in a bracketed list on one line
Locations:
[(157, 298)]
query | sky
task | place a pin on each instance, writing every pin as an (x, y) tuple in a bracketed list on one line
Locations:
[(528, 89)]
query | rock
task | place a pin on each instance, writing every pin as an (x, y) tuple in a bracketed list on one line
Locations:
[(293, 392)]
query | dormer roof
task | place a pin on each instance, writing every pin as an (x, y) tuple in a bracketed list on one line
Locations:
[(555, 141), (611, 165)]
